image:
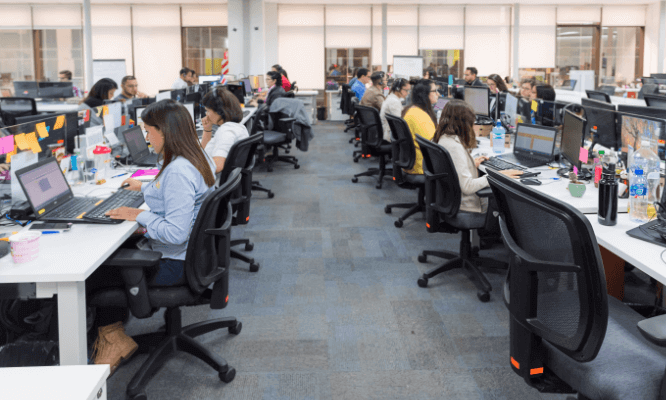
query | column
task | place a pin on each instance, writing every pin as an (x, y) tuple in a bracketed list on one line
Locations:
[(87, 46), (516, 42)]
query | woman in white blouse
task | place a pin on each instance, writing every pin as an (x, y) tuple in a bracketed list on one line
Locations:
[(392, 105)]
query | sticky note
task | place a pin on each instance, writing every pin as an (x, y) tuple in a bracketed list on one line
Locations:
[(41, 130), (145, 172), (535, 106), (10, 154), (86, 116), (6, 144), (105, 110), (60, 122), (31, 138), (21, 142), (575, 170), (583, 155)]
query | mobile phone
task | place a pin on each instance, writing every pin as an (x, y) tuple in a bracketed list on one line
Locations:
[(48, 226)]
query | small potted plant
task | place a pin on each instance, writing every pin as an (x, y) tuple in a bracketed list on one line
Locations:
[(576, 187)]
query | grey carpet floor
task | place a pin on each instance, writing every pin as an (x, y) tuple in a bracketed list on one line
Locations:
[(334, 312)]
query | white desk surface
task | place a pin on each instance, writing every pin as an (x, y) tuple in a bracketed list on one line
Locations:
[(57, 107), (306, 93), (74, 382)]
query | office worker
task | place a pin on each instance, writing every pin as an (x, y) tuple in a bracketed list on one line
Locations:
[(66, 76), (129, 89), (470, 77), (354, 78), (496, 84), (286, 85), (183, 79), (420, 117), (104, 89), (393, 104), (533, 90), (362, 78), (224, 110), (374, 95), (526, 85), (274, 83), (455, 132)]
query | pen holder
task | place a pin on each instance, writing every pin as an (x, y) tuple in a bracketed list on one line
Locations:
[(24, 246)]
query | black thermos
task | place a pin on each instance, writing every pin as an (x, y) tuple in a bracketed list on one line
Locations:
[(607, 213)]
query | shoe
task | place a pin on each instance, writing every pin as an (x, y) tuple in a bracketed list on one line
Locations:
[(113, 346)]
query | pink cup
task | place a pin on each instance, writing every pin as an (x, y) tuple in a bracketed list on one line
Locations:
[(25, 246)]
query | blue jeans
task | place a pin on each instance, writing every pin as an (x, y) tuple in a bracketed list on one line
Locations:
[(168, 273)]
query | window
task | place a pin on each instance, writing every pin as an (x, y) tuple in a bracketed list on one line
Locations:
[(204, 49), (16, 58), (621, 55), (444, 62), (576, 49), (58, 50), (342, 63)]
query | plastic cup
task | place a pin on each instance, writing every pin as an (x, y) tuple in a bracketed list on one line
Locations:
[(24, 246)]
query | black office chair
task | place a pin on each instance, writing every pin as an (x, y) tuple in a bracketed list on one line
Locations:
[(372, 136), (608, 89), (290, 94), (657, 101), (598, 95), (443, 197), (567, 335), (648, 88), (404, 157), (258, 127), (206, 265), (283, 133), (12, 107), (241, 155), (347, 107)]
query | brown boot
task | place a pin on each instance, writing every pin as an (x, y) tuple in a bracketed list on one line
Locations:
[(113, 345)]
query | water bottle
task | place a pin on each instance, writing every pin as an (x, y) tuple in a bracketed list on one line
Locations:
[(643, 182), (498, 138), (598, 169), (607, 213), (638, 197)]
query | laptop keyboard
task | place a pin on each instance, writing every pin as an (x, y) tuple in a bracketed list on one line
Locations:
[(500, 165), (74, 207), (122, 197)]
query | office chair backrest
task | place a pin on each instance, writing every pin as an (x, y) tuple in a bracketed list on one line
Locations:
[(12, 107), (207, 257), (597, 95), (371, 125), (260, 120), (239, 156), (656, 101), (608, 89), (556, 278), (444, 191), (344, 97), (402, 144), (648, 88), (290, 94)]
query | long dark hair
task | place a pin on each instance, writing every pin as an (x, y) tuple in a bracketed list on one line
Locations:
[(398, 85), (224, 103), (457, 120), (100, 92), (499, 82), (421, 99), (281, 70), (276, 76), (180, 136)]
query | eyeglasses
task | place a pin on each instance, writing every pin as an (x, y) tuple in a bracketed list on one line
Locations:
[(434, 91)]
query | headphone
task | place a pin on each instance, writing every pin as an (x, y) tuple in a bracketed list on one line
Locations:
[(217, 103), (398, 84)]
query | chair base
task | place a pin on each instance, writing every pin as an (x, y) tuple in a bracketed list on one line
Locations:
[(275, 157), (175, 338), (257, 186), (249, 246), (413, 208)]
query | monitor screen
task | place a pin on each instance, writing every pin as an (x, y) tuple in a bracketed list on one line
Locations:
[(209, 78), (26, 89), (116, 109), (238, 91), (248, 86), (572, 138), (655, 101), (511, 107), (634, 127), (547, 113), (44, 184), (56, 90), (179, 95), (603, 121), (477, 97), (441, 102), (535, 139), (597, 104), (190, 109)]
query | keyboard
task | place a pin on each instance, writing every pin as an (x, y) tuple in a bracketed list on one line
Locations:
[(122, 197), (483, 120), (500, 165), (73, 208), (245, 113)]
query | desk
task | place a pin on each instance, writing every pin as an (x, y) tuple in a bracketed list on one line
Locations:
[(60, 271), (312, 94), (57, 107), (55, 383)]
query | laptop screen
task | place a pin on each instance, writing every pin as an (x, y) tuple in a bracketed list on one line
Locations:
[(136, 144), (44, 183), (441, 102), (477, 97), (535, 140)]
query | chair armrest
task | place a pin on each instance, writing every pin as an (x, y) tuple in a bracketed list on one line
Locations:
[(485, 192), (654, 329), (133, 258), (287, 119)]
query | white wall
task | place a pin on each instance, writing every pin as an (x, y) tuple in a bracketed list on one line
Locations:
[(651, 46), (301, 44), (487, 39), (112, 34)]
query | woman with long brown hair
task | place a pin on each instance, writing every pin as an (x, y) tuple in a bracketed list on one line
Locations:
[(455, 133)]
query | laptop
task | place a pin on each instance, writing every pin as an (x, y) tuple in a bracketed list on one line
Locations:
[(52, 199), (441, 102), (138, 149), (649, 231), (534, 146)]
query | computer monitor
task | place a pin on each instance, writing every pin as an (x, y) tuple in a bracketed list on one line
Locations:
[(655, 101), (195, 98), (26, 89), (179, 95), (648, 88), (30, 118), (658, 76), (55, 90), (248, 86), (209, 78), (597, 104), (511, 107), (190, 109), (262, 81), (633, 127), (569, 84), (55, 136), (73, 121), (535, 140), (441, 103), (602, 121), (524, 109), (652, 112), (116, 110), (599, 96), (572, 138), (238, 91), (477, 97), (546, 113)]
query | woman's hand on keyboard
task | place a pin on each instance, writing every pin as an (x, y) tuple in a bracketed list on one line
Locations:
[(512, 173), (479, 160), (133, 184), (125, 213)]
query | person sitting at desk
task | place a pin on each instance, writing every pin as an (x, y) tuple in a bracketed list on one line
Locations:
[(496, 84), (286, 85), (66, 76), (455, 133), (183, 79), (274, 82), (174, 197), (362, 78), (102, 90), (526, 85), (374, 95), (420, 117), (130, 89), (393, 104), (470, 77), (222, 109)]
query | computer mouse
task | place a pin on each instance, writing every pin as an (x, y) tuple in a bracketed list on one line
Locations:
[(530, 181)]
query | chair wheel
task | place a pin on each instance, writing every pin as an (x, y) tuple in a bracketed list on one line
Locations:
[(228, 375), (355, 159), (354, 179), (140, 396), (398, 223), (254, 267), (423, 282), (249, 247), (286, 151), (297, 166), (378, 186), (269, 169), (235, 330), (295, 159), (483, 296), (271, 195), (423, 258), (387, 209)]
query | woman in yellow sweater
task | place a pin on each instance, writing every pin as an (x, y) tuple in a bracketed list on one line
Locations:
[(420, 117)]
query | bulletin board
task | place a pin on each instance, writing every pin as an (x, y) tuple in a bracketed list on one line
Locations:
[(114, 69), (406, 66)]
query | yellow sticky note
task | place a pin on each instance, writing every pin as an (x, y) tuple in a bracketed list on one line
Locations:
[(21, 141), (60, 121), (31, 138), (10, 154), (535, 106), (41, 130), (106, 110)]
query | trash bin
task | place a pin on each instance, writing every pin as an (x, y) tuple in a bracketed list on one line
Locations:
[(321, 113), (29, 354)]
